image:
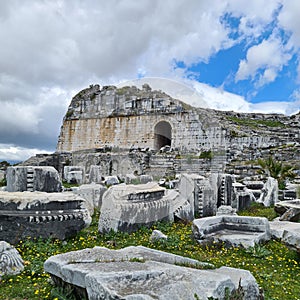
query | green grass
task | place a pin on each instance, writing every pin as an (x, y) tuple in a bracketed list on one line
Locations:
[(259, 210), (275, 267), (255, 123)]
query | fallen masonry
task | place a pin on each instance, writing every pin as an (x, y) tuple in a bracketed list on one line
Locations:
[(232, 230), (126, 207), (33, 178), (287, 232), (143, 273), (289, 210), (41, 215), (11, 263)]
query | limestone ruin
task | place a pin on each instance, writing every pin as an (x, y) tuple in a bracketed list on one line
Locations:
[(232, 230), (118, 131), (127, 207), (11, 263), (208, 158), (33, 178), (143, 273), (41, 215)]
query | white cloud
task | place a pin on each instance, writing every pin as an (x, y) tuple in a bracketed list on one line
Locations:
[(289, 20), (17, 154), (263, 61), (52, 49), (255, 15), (217, 98)]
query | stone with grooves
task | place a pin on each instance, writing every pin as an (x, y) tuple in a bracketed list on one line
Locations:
[(11, 263), (41, 215), (232, 230), (33, 178), (144, 273), (126, 207)]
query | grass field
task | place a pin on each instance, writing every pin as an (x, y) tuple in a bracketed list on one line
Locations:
[(275, 267)]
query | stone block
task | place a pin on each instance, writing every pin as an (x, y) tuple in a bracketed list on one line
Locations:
[(74, 174), (33, 178), (269, 194), (41, 215), (289, 210), (126, 207), (226, 210), (232, 230), (146, 178), (95, 175), (93, 194), (157, 235), (143, 273), (111, 180), (11, 263)]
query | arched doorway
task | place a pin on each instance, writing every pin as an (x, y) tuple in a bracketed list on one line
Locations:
[(162, 134)]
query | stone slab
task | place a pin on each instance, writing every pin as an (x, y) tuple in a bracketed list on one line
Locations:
[(41, 215), (287, 232), (232, 230), (144, 273)]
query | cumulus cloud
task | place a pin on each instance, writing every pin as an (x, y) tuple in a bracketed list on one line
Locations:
[(52, 49), (16, 154), (263, 61)]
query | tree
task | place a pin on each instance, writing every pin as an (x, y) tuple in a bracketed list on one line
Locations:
[(4, 164), (277, 170)]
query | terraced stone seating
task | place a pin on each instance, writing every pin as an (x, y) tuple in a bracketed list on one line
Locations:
[(232, 230)]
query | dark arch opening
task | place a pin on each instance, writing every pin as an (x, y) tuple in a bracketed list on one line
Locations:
[(162, 135)]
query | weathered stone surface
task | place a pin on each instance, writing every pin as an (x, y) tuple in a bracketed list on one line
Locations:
[(39, 214), (74, 174), (33, 178), (226, 210), (131, 179), (200, 192), (92, 193), (269, 195), (232, 230), (95, 175), (146, 178), (292, 239), (143, 273), (111, 180), (11, 263), (157, 235), (287, 232), (289, 210), (126, 207), (130, 117)]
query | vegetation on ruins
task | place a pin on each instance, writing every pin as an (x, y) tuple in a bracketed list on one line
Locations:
[(277, 169), (206, 154), (275, 267), (253, 123), (3, 166)]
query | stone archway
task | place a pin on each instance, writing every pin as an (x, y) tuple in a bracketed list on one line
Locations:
[(162, 135)]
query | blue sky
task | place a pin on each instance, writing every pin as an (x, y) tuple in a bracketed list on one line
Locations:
[(236, 54)]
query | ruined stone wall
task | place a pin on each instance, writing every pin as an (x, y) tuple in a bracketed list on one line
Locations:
[(136, 132)]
